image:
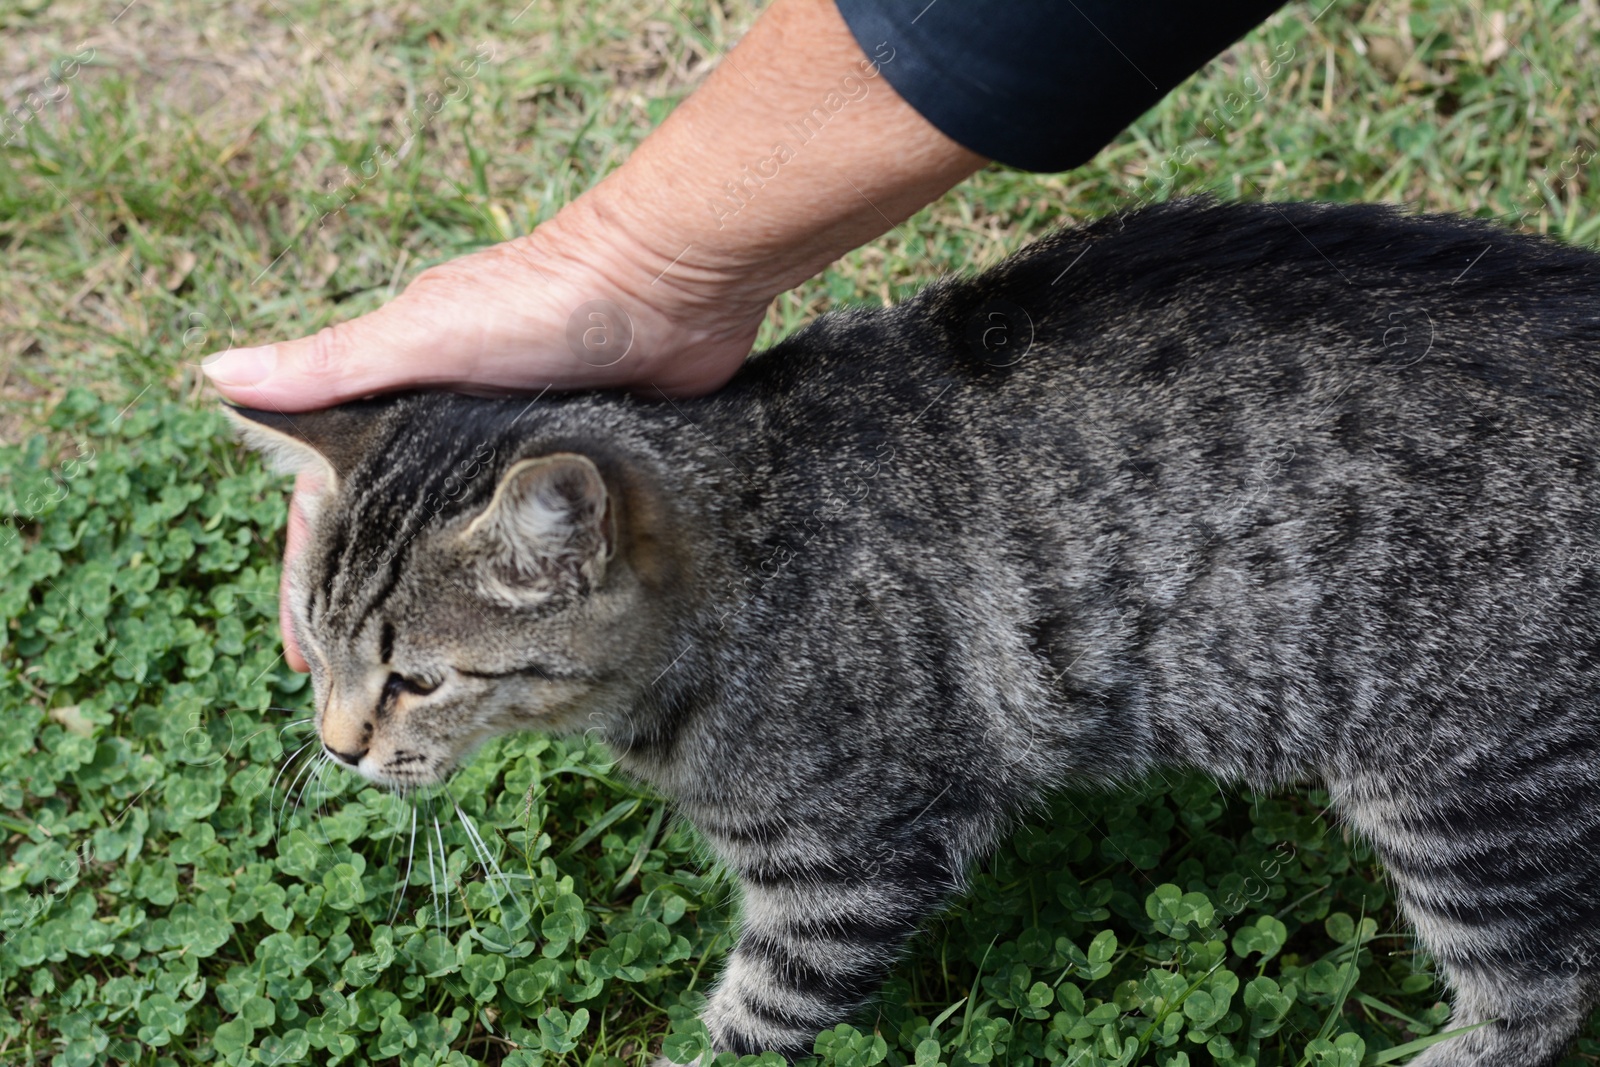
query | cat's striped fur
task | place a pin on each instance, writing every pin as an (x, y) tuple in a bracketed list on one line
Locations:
[(1281, 492)]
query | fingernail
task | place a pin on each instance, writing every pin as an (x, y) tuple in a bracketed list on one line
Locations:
[(241, 366)]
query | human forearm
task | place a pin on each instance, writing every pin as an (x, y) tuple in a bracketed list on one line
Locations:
[(793, 152)]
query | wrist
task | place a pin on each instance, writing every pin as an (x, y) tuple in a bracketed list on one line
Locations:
[(644, 247), (689, 328)]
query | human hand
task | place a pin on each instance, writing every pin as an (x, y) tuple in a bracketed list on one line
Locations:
[(578, 303)]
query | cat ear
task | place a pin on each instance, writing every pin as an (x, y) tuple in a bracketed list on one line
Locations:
[(549, 524), (326, 443)]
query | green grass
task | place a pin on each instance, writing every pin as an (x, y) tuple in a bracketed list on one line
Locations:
[(158, 904)]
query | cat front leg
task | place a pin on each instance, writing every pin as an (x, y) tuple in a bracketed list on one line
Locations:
[(808, 955), (816, 939)]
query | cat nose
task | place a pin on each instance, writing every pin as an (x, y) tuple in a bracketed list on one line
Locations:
[(346, 728), (352, 758)]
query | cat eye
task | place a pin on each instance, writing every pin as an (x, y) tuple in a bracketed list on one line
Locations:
[(398, 683)]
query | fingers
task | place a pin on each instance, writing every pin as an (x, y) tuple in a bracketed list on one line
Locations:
[(306, 485), (370, 354)]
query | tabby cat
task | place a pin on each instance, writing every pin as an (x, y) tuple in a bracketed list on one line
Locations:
[(1281, 492)]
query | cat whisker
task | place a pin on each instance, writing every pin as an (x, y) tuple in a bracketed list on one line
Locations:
[(283, 809), (491, 869), (444, 866), (433, 875), (322, 793), (318, 790), (411, 857), (433, 878), (292, 756), (310, 784), (486, 861), (400, 818), (303, 781)]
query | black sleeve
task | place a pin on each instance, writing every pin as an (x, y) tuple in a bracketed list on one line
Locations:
[(1037, 85)]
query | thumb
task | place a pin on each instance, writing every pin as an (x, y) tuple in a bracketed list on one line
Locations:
[(386, 349)]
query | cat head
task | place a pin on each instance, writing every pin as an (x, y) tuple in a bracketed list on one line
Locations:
[(454, 585)]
